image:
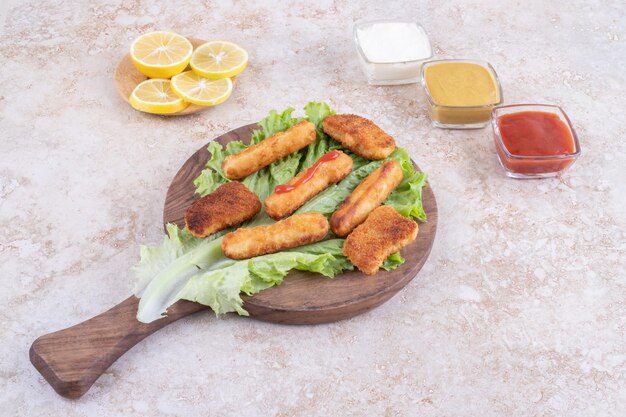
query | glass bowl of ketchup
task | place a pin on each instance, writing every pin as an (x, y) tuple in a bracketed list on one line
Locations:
[(534, 140)]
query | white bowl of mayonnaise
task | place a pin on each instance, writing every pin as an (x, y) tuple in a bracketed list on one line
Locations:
[(391, 51)]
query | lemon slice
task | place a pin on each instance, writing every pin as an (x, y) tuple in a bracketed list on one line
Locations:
[(219, 59), (161, 54), (156, 96), (202, 91)]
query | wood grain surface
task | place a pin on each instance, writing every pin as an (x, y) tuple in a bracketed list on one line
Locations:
[(72, 359), (127, 77)]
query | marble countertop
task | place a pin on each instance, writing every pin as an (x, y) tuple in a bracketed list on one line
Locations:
[(519, 310)]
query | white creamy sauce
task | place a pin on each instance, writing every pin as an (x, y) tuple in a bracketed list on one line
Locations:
[(387, 42)]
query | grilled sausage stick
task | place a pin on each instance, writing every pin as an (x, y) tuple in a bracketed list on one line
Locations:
[(260, 155), (297, 230), (307, 184), (368, 195)]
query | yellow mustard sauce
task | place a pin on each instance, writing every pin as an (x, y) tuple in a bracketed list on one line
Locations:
[(462, 92)]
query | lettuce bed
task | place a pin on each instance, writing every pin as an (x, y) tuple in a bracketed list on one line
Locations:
[(185, 267)]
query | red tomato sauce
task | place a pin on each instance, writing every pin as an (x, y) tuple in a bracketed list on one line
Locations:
[(535, 134), (308, 174)]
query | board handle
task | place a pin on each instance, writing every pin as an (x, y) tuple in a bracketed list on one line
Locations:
[(72, 359)]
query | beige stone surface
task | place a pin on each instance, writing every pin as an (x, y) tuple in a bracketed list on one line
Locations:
[(519, 311)]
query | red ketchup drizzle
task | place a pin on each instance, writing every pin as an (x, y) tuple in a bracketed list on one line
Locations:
[(308, 174)]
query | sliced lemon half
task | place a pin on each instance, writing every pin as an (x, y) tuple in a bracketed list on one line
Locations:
[(161, 54), (156, 96), (200, 90), (219, 59)]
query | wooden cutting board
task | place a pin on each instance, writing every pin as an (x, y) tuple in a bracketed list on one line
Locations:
[(72, 359)]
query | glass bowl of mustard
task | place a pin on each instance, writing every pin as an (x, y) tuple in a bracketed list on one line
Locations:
[(460, 93)]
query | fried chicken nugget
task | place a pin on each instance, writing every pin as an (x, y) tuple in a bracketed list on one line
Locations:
[(281, 204), (384, 232), (368, 195), (297, 230), (360, 135), (229, 205), (272, 149)]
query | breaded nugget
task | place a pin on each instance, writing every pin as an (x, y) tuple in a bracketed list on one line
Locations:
[(321, 174), (384, 232), (360, 135), (229, 205), (368, 195), (269, 150), (297, 230)]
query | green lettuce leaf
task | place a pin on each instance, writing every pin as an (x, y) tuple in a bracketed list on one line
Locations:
[(334, 247), (275, 122), (407, 197), (285, 169), (207, 182), (212, 176), (233, 148), (393, 261), (154, 259), (184, 267), (316, 113), (221, 289), (163, 289)]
